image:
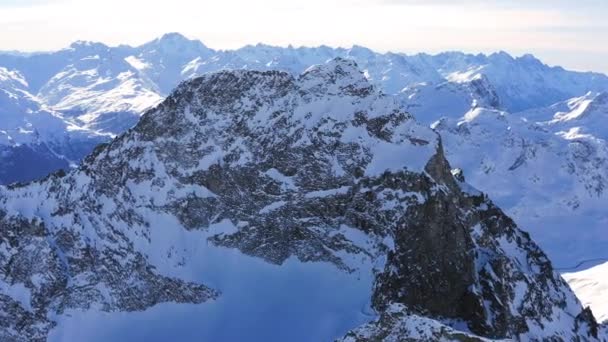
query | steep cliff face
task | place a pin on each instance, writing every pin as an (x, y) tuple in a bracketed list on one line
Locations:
[(321, 169)]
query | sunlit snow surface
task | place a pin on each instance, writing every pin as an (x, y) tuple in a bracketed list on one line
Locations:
[(591, 287), (259, 301)]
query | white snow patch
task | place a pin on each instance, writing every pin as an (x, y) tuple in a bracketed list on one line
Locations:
[(591, 287), (327, 193), (17, 292), (272, 206)]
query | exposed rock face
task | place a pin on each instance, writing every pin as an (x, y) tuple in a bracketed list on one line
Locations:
[(396, 323), (321, 168), (58, 269)]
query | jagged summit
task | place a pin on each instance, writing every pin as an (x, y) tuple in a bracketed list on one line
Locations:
[(173, 36), (340, 75), (361, 52), (531, 59), (174, 40), (337, 77)]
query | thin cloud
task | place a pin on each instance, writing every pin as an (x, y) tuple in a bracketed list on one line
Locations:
[(27, 3)]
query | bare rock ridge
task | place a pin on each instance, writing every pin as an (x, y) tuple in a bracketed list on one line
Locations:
[(321, 167)]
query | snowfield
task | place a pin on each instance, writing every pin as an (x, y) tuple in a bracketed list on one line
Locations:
[(591, 286)]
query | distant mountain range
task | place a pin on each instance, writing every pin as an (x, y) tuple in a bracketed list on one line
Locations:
[(107, 88)]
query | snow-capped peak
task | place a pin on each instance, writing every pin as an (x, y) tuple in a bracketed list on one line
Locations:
[(340, 74), (176, 43), (86, 46), (361, 52)]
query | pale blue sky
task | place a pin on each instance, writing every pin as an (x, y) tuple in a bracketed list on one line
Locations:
[(565, 32)]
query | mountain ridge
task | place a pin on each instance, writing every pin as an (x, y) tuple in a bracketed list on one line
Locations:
[(106, 88)]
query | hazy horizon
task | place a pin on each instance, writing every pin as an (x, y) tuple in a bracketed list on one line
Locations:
[(557, 32)]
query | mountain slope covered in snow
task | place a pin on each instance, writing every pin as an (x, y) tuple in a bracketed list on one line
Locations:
[(257, 197), (35, 140)]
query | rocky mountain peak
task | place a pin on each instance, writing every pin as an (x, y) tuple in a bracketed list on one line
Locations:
[(175, 44), (174, 37), (530, 59), (332, 91), (88, 46), (339, 75)]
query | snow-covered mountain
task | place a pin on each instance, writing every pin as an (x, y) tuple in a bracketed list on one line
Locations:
[(303, 208), (521, 83), (100, 90), (451, 98), (163, 60), (35, 140), (582, 115), (105, 89), (530, 135)]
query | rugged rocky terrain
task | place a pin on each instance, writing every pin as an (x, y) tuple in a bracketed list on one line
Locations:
[(316, 172)]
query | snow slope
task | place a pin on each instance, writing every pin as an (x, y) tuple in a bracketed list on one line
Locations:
[(582, 115), (34, 139), (292, 302), (100, 90), (591, 286)]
